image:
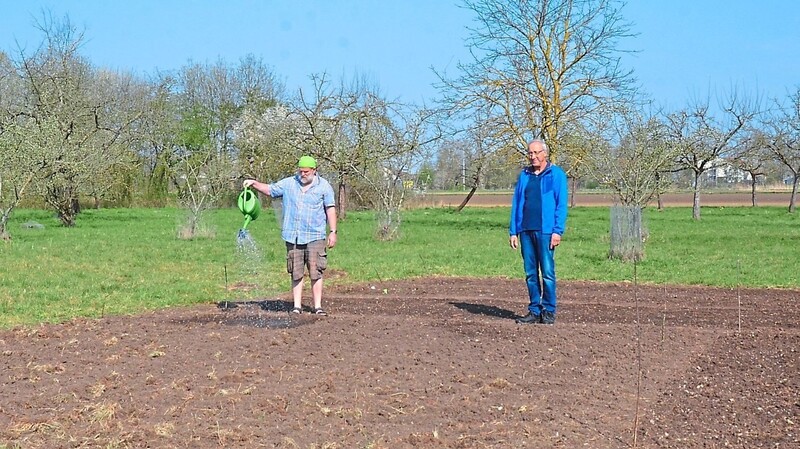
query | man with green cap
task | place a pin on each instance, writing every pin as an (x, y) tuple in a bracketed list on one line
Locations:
[(308, 210)]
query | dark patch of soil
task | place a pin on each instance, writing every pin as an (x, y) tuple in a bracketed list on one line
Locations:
[(425, 363)]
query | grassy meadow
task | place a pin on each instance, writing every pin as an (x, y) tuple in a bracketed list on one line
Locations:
[(119, 261)]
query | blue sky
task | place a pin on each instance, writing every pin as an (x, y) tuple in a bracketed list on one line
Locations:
[(685, 49)]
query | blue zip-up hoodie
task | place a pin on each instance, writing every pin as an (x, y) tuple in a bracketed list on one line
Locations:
[(554, 200)]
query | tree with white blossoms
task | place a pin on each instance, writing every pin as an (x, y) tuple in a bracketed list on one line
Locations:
[(210, 101), (270, 142), (18, 165), (75, 118)]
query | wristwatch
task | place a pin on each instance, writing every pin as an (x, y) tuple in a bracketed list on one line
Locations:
[(333, 231)]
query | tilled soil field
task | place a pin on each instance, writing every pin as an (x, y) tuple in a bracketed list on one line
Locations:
[(424, 363)]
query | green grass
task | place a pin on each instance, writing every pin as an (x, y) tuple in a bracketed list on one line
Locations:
[(119, 261)]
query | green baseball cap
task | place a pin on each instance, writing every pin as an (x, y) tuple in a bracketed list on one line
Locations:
[(307, 162)]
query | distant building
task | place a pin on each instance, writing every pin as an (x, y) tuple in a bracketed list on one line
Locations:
[(726, 173)]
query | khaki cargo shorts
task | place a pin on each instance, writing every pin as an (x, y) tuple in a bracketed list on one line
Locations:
[(313, 256)]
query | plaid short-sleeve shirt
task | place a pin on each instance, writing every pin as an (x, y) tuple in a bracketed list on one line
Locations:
[(304, 218)]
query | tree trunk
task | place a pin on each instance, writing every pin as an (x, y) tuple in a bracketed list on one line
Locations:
[(627, 233), (475, 183), (67, 217), (573, 183), (696, 197), (753, 191), (66, 205), (794, 193), (4, 226), (466, 200), (658, 192), (341, 211)]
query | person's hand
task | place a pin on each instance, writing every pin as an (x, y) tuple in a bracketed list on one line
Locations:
[(513, 241), (555, 239), (331, 240), (247, 183)]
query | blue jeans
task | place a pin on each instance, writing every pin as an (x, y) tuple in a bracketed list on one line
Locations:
[(538, 259)]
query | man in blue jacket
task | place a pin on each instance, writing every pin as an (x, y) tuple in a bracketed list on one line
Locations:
[(538, 219)]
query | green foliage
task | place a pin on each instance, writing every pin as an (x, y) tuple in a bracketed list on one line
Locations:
[(195, 131), (425, 176), (120, 261)]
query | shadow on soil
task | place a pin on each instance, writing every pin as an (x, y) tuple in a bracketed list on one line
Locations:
[(482, 309)]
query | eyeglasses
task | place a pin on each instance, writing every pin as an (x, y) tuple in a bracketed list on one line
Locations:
[(306, 171)]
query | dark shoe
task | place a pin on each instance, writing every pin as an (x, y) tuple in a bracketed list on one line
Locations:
[(530, 318), (548, 318), (297, 310), (319, 311)]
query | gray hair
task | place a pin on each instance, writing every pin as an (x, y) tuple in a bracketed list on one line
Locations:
[(541, 141)]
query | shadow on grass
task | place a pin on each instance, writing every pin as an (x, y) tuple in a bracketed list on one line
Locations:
[(482, 309)]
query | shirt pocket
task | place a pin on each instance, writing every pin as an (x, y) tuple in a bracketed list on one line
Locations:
[(547, 184)]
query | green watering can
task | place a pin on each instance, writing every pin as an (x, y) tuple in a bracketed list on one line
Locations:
[(249, 205)]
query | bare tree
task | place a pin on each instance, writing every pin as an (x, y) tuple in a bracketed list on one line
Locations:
[(540, 67), (204, 178), (751, 156), (124, 100), (158, 134), (784, 141), (401, 144), (629, 159), (360, 134), (368, 143), (705, 141), (481, 137)]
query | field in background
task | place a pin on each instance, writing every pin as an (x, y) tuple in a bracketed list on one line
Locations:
[(711, 199)]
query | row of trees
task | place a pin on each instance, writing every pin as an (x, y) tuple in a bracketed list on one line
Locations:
[(72, 132), (551, 69)]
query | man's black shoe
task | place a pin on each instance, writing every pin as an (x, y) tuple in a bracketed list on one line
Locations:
[(548, 318), (530, 318)]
